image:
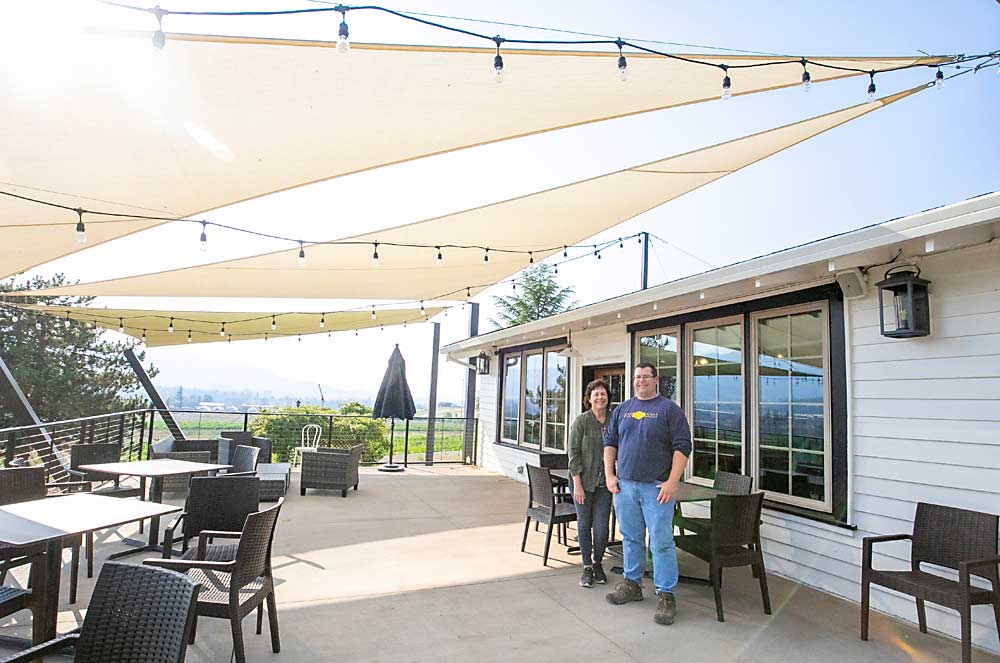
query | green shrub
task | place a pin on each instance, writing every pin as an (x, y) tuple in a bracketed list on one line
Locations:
[(351, 425)]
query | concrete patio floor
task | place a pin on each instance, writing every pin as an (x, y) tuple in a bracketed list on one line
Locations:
[(425, 566)]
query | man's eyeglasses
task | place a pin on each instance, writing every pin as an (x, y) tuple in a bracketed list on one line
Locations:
[(645, 377)]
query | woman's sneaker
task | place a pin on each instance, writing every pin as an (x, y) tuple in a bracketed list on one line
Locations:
[(587, 578), (599, 576)]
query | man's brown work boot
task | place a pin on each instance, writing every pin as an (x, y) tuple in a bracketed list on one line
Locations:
[(666, 609), (625, 591)]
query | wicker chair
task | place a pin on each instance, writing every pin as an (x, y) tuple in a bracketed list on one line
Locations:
[(243, 461), (26, 484), (958, 539), (213, 503), (331, 469), (233, 589), (545, 506), (179, 483), (135, 614), (730, 541), (725, 482), (247, 439)]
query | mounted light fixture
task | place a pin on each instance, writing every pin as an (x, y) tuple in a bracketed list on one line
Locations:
[(483, 363), (909, 313), (569, 351)]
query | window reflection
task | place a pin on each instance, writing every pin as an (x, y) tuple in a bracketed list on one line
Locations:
[(717, 400)]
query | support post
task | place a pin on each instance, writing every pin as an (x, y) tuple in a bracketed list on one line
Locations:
[(432, 405), (12, 396), (469, 437), (645, 259), (154, 395)]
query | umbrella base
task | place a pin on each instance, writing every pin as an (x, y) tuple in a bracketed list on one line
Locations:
[(391, 467)]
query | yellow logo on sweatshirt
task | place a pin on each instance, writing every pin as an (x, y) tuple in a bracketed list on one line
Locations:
[(638, 415)]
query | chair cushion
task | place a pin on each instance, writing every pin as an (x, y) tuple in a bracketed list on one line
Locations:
[(930, 587)]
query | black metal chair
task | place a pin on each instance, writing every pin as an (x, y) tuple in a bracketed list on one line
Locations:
[(958, 539), (135, 614), (545, 507), (730, 541), (26, 484), (725, 482), (213, 503), (233, 589)]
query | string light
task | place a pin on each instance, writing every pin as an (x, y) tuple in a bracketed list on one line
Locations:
[(121, 325), (806, 78), (265, 337), (322, 321), (375, 255), (204, 237), (300, 338), (939, 79), (727, 83), (230, 339), (423, 311), (871, 85), (274, 325), (143, 336), (486, 254), (159, 39), (81, 230), (373, 312), (170, 327), (440, 258), (302, 253), (343, 34), (468, 294), (531, 258), (621, 244), (564, 251), (498, 60), (622, 64), (189, 336), (222, 329), (66, 324)]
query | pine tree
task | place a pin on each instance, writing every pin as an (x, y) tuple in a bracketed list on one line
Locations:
[(65, 372), (538, 296)]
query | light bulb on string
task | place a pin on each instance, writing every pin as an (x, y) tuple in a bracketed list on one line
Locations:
[(204, 237), (343, 35), (440, 258), (468, 295), (121, 325), (322, 321), (300, 338), (597, 253), (806, 77), (622, 64), (564, 251), (513, 287), (66, 323), (939, 79), (274, 325), (498, 60), (727, 83), (170, 327), (486, 255), (81, 230), (222, 329), (871, 85), (230, 339), (423, 311), (265, 337), (143, 337), (373, 312), (375, 255), (189, 336), (531, 258), (302, 254), (159, 39)]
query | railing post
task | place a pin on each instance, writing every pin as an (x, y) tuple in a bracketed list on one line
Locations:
[(11, 451), (149, 443), (121, 430), (329, 431), (246, 421)]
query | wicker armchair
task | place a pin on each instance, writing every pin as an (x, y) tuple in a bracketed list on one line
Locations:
[(725, 482), (213, 503), (243, 461), (545, 507), (732, 540), (233, 589), (331, 469), (135, 614), (247, 439), (26, 484), (958, 539)]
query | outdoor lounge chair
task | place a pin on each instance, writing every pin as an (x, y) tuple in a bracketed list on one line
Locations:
[(958, 539), (213, 503), (545, 507), (135, 614), (233, 589), (243, 461), (731, 540), (331, 469)]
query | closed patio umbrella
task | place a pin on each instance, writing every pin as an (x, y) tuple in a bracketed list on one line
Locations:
[(394, 401)]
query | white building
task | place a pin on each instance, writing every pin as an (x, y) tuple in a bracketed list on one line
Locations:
[(783, 372)]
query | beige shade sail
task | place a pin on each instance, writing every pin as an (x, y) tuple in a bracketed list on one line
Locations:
[(205, 327), (538, 222), (109, 123)]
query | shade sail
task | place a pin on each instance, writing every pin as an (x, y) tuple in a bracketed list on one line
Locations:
[(204, 326), (563, 215), (117, 125)]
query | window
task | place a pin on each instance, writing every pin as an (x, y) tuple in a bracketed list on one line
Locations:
[(535, 394), (660, 349), (792, 423), (715, 364)]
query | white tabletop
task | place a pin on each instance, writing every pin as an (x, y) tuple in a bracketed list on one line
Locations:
[(51, 518), (162, 467)]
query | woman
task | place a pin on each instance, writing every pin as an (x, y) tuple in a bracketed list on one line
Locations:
[(590, 495)]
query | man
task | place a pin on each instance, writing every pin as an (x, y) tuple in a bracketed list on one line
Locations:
[(649, 437)]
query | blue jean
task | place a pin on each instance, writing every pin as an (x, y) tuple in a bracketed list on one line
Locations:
[(637, 511), (592, 523)]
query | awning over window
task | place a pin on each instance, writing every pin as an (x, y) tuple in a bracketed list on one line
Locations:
[(205, 326), (563, 215), (210, 121)]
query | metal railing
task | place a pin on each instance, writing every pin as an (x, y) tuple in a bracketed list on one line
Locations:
[(421, 441)]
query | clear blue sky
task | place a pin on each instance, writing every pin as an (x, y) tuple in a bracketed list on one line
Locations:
[(930, 150)]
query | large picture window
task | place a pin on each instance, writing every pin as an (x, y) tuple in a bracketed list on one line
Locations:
[(792, 423), (715, 364), (535, 394)]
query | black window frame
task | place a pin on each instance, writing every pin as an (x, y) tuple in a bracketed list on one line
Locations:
[(544, 346)]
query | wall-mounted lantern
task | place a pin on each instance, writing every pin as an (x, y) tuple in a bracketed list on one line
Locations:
[(483, 364), (909, 312)]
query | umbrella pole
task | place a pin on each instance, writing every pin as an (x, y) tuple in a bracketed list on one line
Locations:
[(391, 466)]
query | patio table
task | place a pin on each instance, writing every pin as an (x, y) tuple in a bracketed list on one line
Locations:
[(154, 470), (48, 521)]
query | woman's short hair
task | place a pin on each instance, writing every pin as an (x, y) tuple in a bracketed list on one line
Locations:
[(591, 386)]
